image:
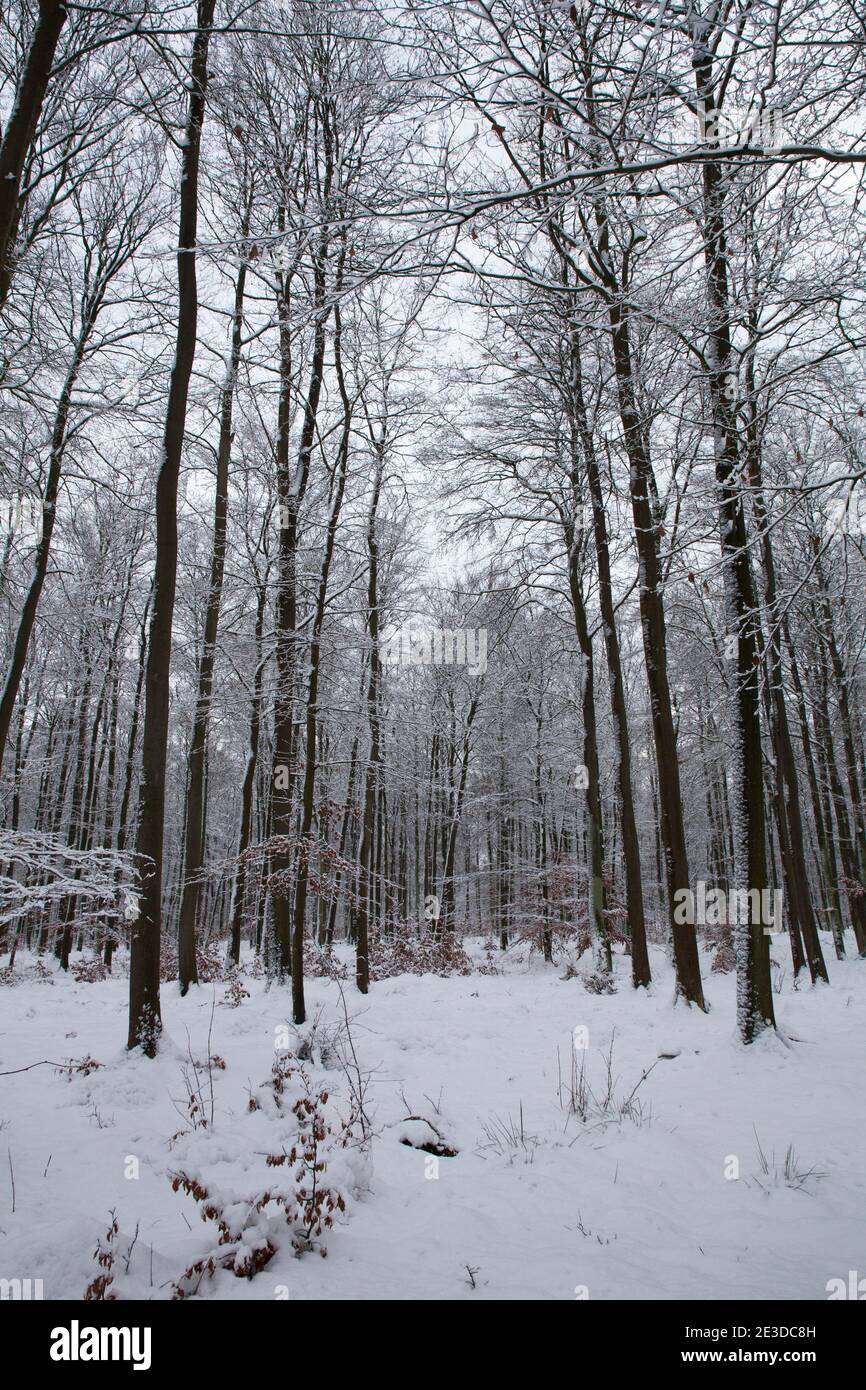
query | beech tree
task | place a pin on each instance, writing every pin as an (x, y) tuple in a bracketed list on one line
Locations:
[(144, 1012)]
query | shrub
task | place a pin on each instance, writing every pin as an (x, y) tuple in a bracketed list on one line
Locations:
[(304, 1197), (725, 959), (235, 993), (599, 982), (563, 915), (405, 951), (244, 1246), (321, 963), (99, 1289), (210, 961), (88, 970)]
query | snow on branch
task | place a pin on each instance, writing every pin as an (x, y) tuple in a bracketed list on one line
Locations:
[(40, 870)]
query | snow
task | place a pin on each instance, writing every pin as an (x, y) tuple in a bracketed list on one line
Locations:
[(536, 1202)]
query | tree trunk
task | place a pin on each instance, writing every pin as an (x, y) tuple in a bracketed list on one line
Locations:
[(195, 800), (788, 793), (640, 966), (372, 771), (446, 920), (59, 435), (597, 926), (826, 856), (754, 991), (21, 127), (145, 1021), (290, 492), (308, 802), (673, 837), (237, 906)]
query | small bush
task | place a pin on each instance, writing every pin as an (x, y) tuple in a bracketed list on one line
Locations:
[(99, 1289), (89, 970), (37, 973), (235, 993), (321, 963), (403, 950), (305, 1198), (599, 982), (210, 961)]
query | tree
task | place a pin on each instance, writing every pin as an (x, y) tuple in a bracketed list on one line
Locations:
[(21, 126), (145, 1022)]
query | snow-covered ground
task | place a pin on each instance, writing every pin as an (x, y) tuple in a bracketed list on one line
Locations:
[(537, 1203)]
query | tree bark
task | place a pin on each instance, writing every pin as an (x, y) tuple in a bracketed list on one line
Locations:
[(788, 793), (237, 905), (594, 833), (145, 1020), (21, 127), (59, 436), (372, 770), (290, 492), (640, 966), (195, 798), (308, 802), (754, 991)]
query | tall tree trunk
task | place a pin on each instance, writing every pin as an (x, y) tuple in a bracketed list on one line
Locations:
[(846, 721), (641, 482), (503, 852), (308, 801), (237, 906), (345, 822), (21, 127), (372, 771), (594, 832), (644, 494), (145, 1020), (540, 826), (76, 829), (788, 795), (774, 796), (195, 802), (846, 834), (290, 492), (754, 990), (20, 757), (826, 856), (446, 920), (640, 966), (27, 618)]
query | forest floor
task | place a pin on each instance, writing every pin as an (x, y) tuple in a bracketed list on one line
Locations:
[(685, 1195)]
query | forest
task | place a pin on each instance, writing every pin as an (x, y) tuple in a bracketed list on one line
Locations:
[(432, 541)]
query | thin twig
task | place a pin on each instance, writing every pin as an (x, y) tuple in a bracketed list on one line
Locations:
[(64, 1066), (131, 1248)]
